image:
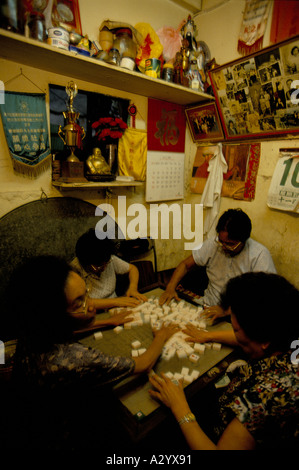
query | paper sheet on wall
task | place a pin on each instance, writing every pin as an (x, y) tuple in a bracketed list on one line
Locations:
[(284, 189), (164, 176)]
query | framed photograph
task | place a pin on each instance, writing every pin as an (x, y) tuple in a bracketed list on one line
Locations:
[(204, 123), (257, 95)]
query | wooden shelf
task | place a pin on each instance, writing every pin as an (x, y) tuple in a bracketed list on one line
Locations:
[(26, 51), (90, 185)]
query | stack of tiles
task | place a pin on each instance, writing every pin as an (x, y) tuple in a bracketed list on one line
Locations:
[(179, 313)]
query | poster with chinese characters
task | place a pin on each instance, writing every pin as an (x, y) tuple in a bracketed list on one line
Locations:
[(166, 126), (284, 189), (164, 176)]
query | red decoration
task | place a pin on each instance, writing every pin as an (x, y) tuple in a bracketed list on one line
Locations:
[(109, 127), (166, 126), (285, 20)]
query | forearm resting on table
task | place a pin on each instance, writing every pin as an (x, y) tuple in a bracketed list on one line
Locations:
[(226, 337), (147, 360)]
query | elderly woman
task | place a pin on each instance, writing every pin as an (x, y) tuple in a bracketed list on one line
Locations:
[(259, 408), (52, 370)]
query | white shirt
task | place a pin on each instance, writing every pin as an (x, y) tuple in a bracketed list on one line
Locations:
[(221, 267), (103, 286)]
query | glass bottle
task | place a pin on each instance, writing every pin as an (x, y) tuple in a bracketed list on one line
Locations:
[(36, 25), (113, 57), (12, 15), (125, 44)]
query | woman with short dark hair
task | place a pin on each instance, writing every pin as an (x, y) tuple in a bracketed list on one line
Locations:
[(259, 408)]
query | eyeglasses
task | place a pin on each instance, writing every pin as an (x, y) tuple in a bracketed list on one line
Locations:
[(228, 246), (81, 305)]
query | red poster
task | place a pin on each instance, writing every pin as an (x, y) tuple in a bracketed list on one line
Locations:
[(166, 126)]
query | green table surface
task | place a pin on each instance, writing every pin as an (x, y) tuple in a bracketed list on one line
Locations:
[(133, 391)]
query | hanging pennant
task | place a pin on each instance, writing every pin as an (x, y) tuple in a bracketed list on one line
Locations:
[(25, 125), (253, 26)]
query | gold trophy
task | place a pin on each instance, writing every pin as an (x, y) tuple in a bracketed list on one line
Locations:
[(72, 135)]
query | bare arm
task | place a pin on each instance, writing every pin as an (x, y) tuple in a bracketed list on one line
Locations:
[(110, 302), (200, 336), (235, 436), (133, 284), (178, 274), (147, 360), (114, 320)]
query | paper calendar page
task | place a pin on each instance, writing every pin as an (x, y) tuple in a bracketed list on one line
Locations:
[(164, 176)]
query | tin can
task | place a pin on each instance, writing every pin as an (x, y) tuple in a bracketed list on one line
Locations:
[(153, 68), (56, 42), (59, 33), (167, 74)]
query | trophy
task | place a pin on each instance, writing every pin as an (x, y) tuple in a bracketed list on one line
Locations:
[(72, 134), (72, 170)]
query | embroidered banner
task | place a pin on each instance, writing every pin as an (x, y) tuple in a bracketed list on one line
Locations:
[(24, 121), (253, 26)]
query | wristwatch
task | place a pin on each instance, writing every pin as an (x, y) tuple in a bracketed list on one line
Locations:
[(188, 418)]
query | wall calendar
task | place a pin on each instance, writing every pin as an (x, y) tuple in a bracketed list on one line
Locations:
[(164, 176)]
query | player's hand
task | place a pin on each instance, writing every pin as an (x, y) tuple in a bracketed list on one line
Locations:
[(165, 332), (167, 296), (195, 335), (131, 292), (126, 302), (121, 318), (169, 393), (213, 313)]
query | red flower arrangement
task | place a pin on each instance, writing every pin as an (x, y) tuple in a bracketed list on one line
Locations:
[(109, 127)]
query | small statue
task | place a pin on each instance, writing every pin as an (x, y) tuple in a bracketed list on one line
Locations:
[(96, 164)]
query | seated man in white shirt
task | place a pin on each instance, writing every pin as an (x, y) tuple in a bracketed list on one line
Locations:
[(99, 267), (231, 253)]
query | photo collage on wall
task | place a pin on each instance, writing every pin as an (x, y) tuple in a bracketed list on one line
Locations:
[(257, 95)]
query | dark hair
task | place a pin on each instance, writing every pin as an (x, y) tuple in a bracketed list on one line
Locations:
[(265, 306), (92, 250), (236, 223), (38, 301)]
